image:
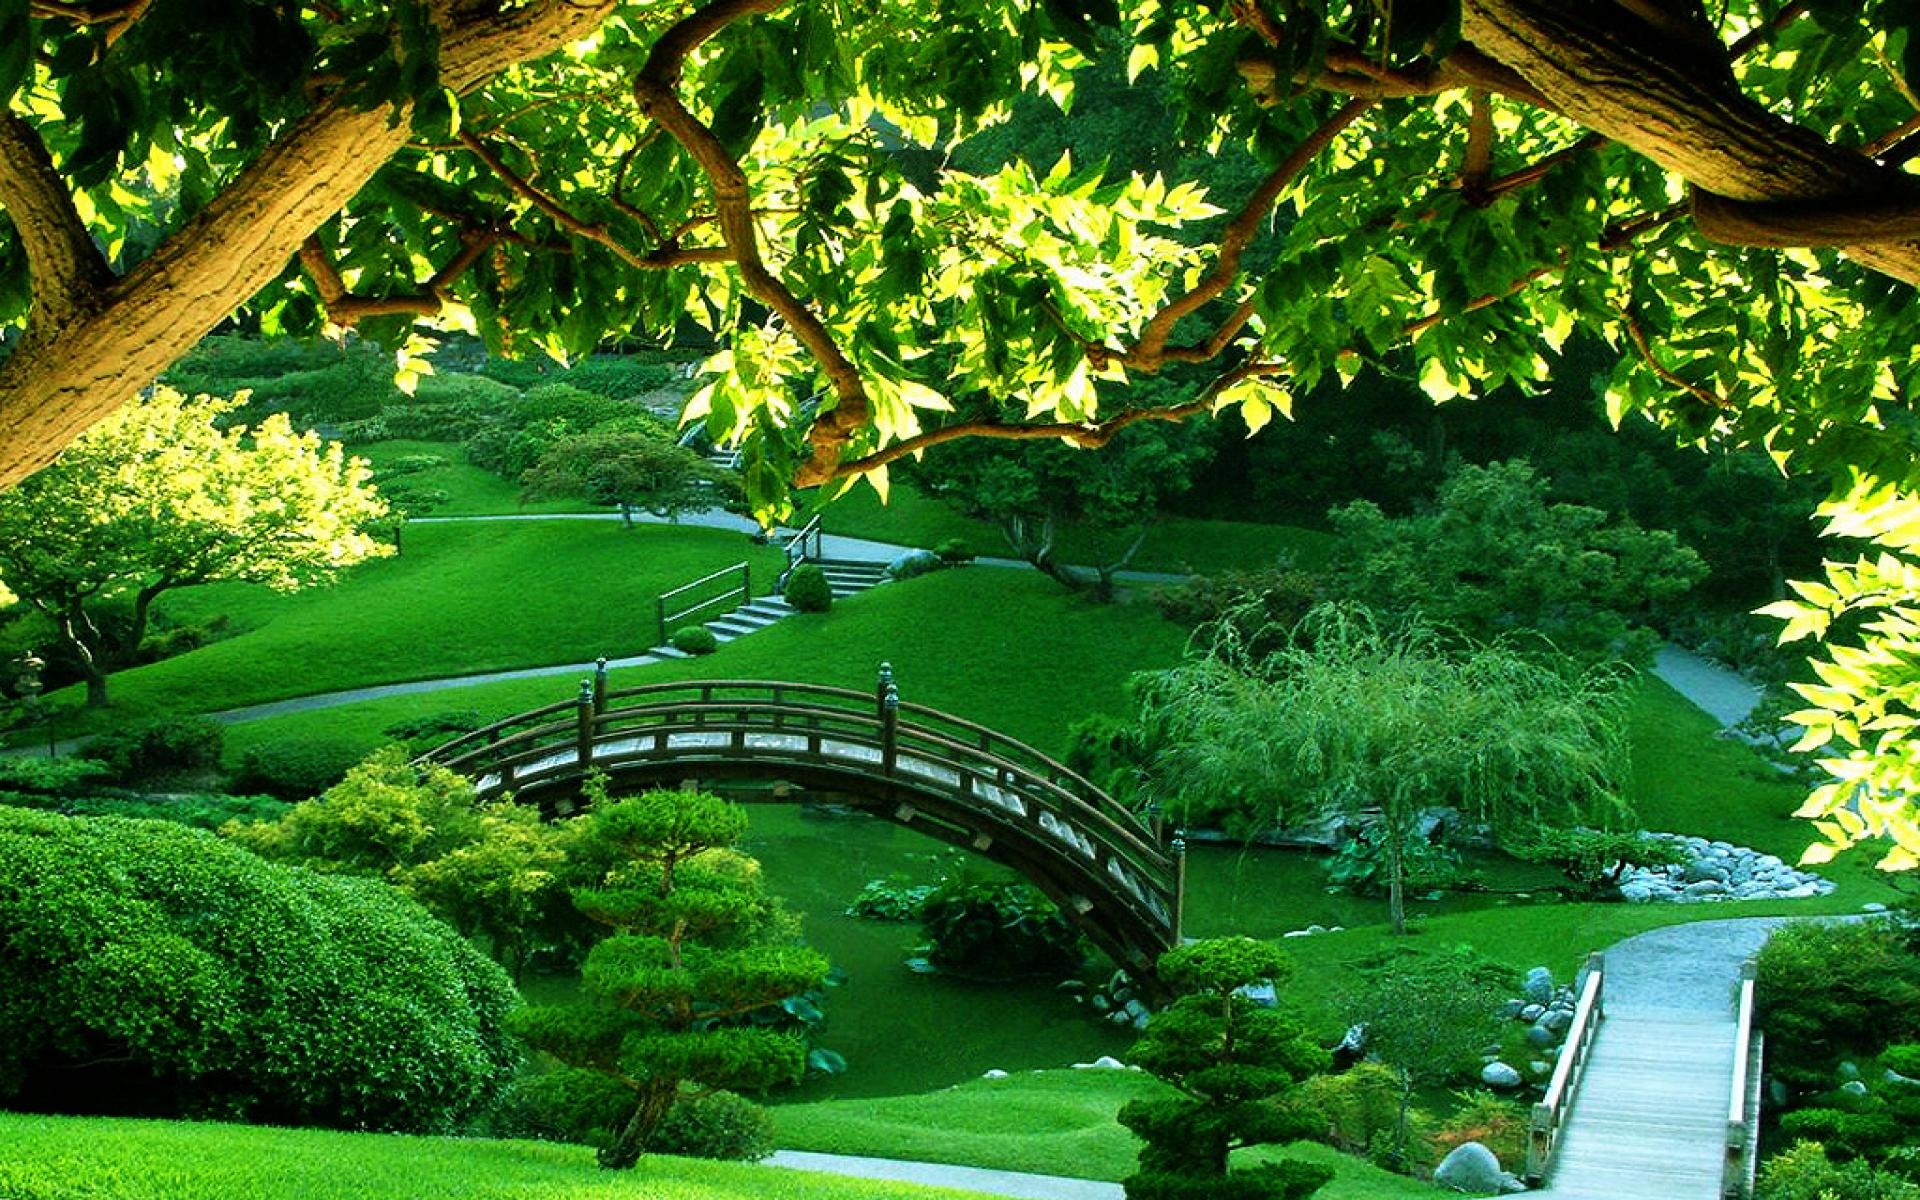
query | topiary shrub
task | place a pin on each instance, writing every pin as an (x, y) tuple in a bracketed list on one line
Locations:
[(162, 744), (147, 969), (1806, 1173), (52, 777), (693, 639), (996, 930), (717, 1125), (953, 552), (807, 588), (566, 1104), (297, 768)]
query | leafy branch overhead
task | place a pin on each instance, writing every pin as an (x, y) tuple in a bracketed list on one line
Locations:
[(1443, 189)]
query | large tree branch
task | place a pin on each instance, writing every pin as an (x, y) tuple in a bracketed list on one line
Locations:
[(1148, 353), (67, 269), (76, 371), (346, 309), (834, 429), (1660, 96)]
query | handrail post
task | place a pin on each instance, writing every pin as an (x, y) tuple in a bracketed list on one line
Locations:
[(1179, 847), (880, 690), (600, 684), (660, 615), (584, 708), (889, 729), (746, 584)]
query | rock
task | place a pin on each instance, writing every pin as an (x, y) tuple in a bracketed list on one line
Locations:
[(1848, 1070), (1557, 1019), (1316, 929), (1854, 1087), (1704, 888), (1354, 1040), (1533, 1012), (1262, 995), (1542, 1038), (1470, 1168), (1106, 1062), (993, 1073), (1137, 1012), (1512, 1185), (1873, 906), (1636, 891), (1297, 933), (1120, 1016), (1070, 985), (1538, 987), (1500, 1075), (1512, 1009), (1893, 1076), (911, 563), (1099, 1002), (1539, 1069)]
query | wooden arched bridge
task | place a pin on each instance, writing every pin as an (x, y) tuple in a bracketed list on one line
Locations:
[(1117, 877)]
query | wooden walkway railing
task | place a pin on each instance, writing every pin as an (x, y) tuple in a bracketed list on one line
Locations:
[(1551, 1113), (1743, 1106), (1117, 876)]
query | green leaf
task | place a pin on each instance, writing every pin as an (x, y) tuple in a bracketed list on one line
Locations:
[(16, 46)]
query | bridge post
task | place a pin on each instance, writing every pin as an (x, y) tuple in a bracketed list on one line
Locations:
[(1179, 847), (880, 690), (889, 729), (600, 684), (584, 707)]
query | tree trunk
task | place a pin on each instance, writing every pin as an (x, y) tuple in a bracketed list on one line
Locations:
[(1401, 1129), (74, 626), (630, 1143), (93, 345), (1397, 878), (142, 615)]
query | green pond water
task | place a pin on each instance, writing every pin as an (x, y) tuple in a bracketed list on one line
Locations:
[(903, 1032)]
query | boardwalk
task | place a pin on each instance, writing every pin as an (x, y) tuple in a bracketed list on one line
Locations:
[(1650, 1119)]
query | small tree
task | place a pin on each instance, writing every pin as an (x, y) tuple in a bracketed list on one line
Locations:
[(628, 470), (159, 497), (697, 942), (1384, 720), (1427, 1016), (1236, 1067)]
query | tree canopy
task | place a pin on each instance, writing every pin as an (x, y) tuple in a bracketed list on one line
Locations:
[(1447, 190), (158, 497)]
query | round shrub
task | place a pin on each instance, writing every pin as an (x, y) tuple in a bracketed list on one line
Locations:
[(566, 1104), (807, 588), (694, 639), (716, 1125), (953, 552), (297, 768), (149, 969)]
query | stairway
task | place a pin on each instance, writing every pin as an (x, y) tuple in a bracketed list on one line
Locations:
[(849, 577), (749, 618)]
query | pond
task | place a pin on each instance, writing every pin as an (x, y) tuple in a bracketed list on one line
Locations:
[(903, 1032)]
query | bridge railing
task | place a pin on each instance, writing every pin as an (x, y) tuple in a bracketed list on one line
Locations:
[(801, 721), (681, 600), (1551, 1113), (1743, 1105)]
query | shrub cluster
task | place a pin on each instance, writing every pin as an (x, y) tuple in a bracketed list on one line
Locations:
[(296, 768), (693, 639), (145, 748), (807, 588), (996, 930), (154, 970)]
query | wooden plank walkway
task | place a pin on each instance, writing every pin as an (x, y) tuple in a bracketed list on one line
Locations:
[(1650, 1119)]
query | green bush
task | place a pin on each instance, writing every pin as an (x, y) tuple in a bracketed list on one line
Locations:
[(1272, 596), (477, 391), (425, 732), (717, 1125), (693, 639), (161, 744), (953, 552), (617, 378), (1595, 860), (147, 969), (996, 930), (889, 900), (1360, 1106), (807, 588), (297, 768), (1362, 865), (199, 810), (1866, 1133), (52, 776), (1495, 1122), (566, 1104), (452, 421), (1827, 992), (1806, 1173)]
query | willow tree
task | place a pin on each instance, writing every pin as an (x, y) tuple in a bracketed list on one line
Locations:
[(1383, 720), (1724, 193)]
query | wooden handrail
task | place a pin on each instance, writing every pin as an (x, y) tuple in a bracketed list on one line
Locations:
[(1743, 1105), (1551, 1112)]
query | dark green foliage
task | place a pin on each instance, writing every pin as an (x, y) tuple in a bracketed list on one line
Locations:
[(954, 552), (1594, 860), (566, 1104), (1806, 1173), (1494, 555), (1238, 1068), (52, 777), (1826, 992), (296, 768), (807, 589), (1110, 752), (1865, 1131), (996, 929), (627, 468), (314, 380), (161, 744), (697, 950), (1272, 596), (1363, 865), (200, 810), (154, 970), (717, 1125)]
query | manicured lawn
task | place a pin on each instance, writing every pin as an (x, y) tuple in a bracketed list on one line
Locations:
[(1181, 545), (464, 598), (67, 1158), (997, 646), (469, 489), (1048, 1122)]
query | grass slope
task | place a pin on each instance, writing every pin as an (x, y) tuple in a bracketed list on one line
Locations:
[(470, 490), (1048, 1122), (464, 598), (69, 1158), (997, 646)]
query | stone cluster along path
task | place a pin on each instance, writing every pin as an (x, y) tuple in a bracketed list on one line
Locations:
[(1649, 1121)]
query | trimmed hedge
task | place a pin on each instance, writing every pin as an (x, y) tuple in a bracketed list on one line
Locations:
[(807, 588), (148, 969)]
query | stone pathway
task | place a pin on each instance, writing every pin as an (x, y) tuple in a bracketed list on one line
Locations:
[(971, 1179), (1723, 694), (1650, 1118)]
